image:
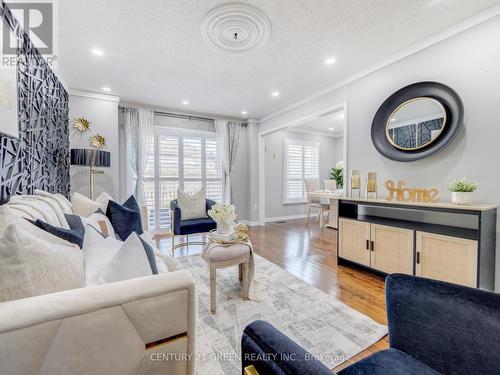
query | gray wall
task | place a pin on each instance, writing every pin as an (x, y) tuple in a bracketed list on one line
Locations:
[(469, 63), (102, 112), (274, 169)]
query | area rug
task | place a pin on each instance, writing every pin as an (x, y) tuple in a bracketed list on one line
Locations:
[(324, 326)]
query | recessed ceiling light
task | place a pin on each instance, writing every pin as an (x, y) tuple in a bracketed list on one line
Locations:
[(97, 52), (330, 61), (275, 93), (331, 129), (107, 89), (244, 112), (185, 102)]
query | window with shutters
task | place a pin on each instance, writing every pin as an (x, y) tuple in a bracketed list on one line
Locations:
[(301, 160), (189, 162)]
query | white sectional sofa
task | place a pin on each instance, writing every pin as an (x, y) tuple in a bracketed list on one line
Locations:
[(144, 325)]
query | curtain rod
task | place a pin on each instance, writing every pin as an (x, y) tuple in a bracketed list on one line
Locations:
[(177, 115)]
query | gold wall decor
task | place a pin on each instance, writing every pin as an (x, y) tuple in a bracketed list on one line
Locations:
[(97, 141), (402, 194), (371, 185), (355, 181), (82, 124)]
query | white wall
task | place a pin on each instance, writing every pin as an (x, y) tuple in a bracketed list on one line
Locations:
[(469, 63), (274, 162), (102, 112)]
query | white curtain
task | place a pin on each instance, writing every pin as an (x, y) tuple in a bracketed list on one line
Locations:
[(137, 125), (144, 146), (129, 125), (228, 138)]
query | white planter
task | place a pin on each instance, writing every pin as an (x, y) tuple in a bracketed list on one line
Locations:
[(224, 228), (461, 197)]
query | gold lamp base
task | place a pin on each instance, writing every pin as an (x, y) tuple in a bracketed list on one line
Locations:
[(92, 172)]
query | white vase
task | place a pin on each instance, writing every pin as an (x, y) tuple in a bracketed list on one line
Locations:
[(224, 227), (459, 197)]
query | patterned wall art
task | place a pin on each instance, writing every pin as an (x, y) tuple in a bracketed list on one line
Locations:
[(39, 158)]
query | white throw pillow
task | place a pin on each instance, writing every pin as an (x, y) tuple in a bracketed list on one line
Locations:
[(83, 206), (128, 263), (101, 223), (161, 259), (98, 252), (30, 266), (109, 259), (192, 206)]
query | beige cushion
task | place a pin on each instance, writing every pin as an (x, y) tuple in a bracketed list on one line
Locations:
[(10, 214), (226, 253), (60, 199), (83, 206), (192, 206), (45, 210), (30, 266)]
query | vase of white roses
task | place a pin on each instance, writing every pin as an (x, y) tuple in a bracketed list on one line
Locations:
[(462, 191), (224, 215)]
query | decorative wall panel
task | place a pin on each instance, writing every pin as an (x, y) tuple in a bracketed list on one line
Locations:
[(39, 159)]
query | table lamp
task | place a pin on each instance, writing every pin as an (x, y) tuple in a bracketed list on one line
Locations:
[(91, 158)]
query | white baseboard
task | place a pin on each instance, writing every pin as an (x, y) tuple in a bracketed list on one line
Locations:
[(249, 223), (284, 218)]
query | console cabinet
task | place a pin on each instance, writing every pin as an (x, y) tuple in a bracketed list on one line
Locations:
[(384, 248), (399, 240), (446, 258)]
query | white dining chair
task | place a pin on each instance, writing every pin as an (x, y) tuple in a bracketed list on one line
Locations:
[(312, 184), (330, 185)]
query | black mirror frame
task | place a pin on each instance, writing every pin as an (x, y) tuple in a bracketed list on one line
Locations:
[(448, 98)]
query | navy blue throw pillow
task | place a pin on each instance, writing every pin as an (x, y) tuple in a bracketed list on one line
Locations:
[(71, 235), (125, 218), (75, 222), (150, 253)]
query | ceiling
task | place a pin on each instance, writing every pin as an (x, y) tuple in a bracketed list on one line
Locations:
[(155, 53), (331, 125)]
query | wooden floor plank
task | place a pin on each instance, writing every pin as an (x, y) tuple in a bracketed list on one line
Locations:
[(308, 252)]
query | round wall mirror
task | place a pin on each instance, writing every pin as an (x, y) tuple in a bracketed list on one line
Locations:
[(417, 121)]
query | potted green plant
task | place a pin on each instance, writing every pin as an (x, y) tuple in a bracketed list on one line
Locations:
[(461, 191), (337, 174)]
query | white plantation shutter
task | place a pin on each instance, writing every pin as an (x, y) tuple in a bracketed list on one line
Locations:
[(178, 161), (301, 161)]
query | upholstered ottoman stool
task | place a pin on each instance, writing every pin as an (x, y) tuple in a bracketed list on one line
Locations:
[(222, 256)]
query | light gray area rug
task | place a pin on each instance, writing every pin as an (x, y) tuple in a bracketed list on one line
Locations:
[(321, 324)]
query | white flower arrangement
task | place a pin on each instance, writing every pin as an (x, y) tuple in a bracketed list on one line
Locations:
[(223, 213)]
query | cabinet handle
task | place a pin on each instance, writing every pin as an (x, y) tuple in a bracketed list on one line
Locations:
[(367, 244), (372, 246), (418, 257)]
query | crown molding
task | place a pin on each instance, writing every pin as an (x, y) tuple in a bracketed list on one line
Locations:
[(447, 33), (93, 95)]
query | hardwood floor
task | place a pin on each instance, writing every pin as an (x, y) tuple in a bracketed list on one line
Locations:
[(308, 252)]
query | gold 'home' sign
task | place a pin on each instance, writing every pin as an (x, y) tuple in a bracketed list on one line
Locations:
[(402, 194)]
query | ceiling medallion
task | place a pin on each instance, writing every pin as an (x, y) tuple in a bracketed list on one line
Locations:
[(235, 28)]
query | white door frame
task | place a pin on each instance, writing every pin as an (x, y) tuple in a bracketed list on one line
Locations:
[(291, 124)]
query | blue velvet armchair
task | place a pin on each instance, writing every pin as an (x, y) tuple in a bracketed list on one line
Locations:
[(186, 227), (434, 328)]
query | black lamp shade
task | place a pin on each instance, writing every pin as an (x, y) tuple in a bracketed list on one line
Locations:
[(88, 157)]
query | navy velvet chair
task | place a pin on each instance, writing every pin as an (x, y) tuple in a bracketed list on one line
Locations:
[(186, 227), (434, 328)]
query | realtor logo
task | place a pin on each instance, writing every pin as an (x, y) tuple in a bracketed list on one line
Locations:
[(38, 20)]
